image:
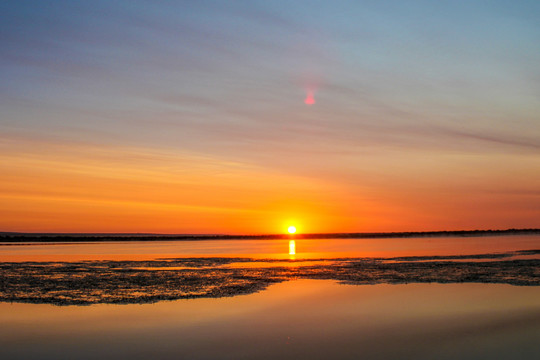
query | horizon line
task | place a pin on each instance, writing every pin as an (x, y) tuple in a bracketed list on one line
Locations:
[(11, 236)]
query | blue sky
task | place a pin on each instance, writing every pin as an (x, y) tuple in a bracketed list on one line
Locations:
[(454, 69)]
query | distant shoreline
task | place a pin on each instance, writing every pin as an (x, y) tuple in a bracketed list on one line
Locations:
[(10, 237)]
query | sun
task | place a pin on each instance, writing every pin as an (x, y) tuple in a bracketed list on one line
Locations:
[(291, 229)]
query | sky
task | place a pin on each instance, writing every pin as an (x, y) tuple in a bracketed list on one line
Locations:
[(245, 117)]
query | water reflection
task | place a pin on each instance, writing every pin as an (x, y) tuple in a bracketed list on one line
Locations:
[(265, 249), (292, 249), (413, 321)]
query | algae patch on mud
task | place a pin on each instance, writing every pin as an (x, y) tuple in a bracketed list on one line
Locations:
[(126, 282)]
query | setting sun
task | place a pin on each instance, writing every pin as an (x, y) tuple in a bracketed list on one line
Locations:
[(291, 229)]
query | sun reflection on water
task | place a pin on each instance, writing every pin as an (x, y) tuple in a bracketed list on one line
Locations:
[(292, 249)]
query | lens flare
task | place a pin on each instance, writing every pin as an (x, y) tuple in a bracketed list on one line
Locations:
[(310, 98)]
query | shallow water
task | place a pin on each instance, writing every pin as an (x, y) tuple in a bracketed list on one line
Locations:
[(274, 249), (422, 298), (304, 319)]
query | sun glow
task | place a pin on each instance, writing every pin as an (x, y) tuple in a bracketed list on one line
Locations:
[(291, 229)]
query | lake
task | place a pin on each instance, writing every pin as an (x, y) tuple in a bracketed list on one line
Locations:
[(421, 298)]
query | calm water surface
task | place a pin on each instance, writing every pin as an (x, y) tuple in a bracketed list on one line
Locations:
[(275, 249), (305, 319), (298, 319)]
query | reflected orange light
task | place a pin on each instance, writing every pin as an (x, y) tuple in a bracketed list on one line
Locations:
[(292, 247)]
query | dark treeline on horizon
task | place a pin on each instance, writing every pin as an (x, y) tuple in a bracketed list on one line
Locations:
[(71, 237)]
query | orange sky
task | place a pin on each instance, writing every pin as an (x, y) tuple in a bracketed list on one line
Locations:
[(53, 187)]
